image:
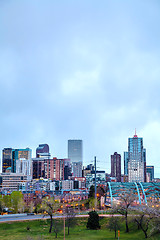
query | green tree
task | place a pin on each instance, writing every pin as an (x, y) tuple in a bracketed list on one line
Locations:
[(7, 201), (91, 192), (93, 220), (17, 202), (49, 205)]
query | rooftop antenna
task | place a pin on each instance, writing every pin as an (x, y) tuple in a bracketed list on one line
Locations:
[(135, 133)]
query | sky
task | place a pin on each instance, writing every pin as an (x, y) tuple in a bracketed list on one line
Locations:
[(83, 69)]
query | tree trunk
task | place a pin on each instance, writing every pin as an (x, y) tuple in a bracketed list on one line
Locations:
[(127, 228), (115, 231), (50, 230)]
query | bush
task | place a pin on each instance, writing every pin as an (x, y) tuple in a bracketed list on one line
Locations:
[(93, 220)]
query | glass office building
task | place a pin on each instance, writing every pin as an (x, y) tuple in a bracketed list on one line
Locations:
[(75, 155), (136, 159)]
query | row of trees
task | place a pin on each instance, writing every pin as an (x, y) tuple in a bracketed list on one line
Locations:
[(13, 203), (145, 216)]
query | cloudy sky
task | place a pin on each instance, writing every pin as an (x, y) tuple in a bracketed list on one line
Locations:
[(83, 69)]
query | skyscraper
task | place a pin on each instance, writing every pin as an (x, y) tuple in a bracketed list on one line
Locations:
[(116, 166), (42, 151), (150, 172), (6, 158), (75, 155), (125, 163), (19, 154), (136, 159)]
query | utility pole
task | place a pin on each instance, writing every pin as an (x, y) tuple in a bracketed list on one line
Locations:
[(95, 181)]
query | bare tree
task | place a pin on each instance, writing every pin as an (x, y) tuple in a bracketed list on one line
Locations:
[(144, 217), (125, 201), (70, 216), (113, 224)]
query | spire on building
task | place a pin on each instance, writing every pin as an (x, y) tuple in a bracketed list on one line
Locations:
[(135, 136)]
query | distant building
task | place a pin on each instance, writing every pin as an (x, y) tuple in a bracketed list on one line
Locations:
[(116, 166), (76, 156), (10, 158), (18, 154), (6, 158), (136, 160), (23, 166), (42, 150), (48, 168), (125, 163), (150, 172), (67, 169), (11, 181)]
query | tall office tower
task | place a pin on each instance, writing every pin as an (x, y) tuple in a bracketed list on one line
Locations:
[(23, 166), (38, 169), (6, 158), (75, 155), (145, 171), (150, 172), (136, 159), (116, 166), (18, 154), (42, 151), (67, 169), (125, 163)]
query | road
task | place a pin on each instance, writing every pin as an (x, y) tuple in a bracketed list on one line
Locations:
[(25, 217)]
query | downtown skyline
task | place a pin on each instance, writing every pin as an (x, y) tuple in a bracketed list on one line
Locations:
[(80, 70)]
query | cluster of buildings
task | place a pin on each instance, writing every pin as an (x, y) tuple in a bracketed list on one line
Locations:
[(135, 168), (43, 173)]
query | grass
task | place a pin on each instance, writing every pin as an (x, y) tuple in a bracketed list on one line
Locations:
[(38, 230)]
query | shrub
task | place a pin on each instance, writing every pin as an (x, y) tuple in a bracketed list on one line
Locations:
[(93, 220)]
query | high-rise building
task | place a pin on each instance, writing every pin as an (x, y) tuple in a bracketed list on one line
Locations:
[(150, 172), (75, 155), (48, 168), (6, 158), (42, 151), (136, 159), (116, 166), (18, 154), (125, 163)]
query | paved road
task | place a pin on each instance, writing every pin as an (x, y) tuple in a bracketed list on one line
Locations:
[(24, 217)]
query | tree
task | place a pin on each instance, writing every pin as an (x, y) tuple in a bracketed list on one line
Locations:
[(57, 226), (70, 217), (49, 205), (114, 224), (7, 201), (126, 200), (144, 217), (93, 220), (91, 192), (17, 202)]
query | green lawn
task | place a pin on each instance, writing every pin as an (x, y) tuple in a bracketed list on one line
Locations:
[(39, 231)]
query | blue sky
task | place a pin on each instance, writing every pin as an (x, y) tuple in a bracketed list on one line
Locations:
[(80, 70)]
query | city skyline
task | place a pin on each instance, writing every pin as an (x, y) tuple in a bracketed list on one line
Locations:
[(80, 70)]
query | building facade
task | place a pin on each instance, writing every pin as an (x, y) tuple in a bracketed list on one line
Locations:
[(6, 158), (136, 159), (48, 168), (116, 166), (150, 172), (126, 163), (76, 156)]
